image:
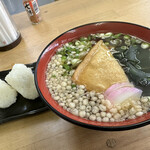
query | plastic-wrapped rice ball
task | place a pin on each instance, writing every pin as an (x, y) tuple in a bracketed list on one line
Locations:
[(21, 78), (7, 95)]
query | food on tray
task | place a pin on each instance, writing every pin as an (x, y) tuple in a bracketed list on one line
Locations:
[(102, 82), (21, 79), (99, 69), (7, 95)]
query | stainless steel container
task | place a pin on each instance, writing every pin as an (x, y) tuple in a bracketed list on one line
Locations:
[(9, 34)]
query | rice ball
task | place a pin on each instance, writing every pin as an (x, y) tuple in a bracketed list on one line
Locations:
[(7, 95), (21, 78)]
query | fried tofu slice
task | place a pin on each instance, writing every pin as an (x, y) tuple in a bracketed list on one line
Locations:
[(99, 70)]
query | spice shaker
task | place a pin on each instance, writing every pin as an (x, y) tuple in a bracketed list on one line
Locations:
[(9, 34), (33, 11)]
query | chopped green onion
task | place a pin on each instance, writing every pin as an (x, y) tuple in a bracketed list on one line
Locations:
[(89, 38), (113, 42), (83, 39), (76, 57), (75, 62), (123, 47), (126, 37), (77, 43), (93, 36), (127, 42), (53, 76), (73, 85), (70, 43), (138, 41), (63, 58), (101, 35), (67, 67), (133, 40), (65, 73), (62, 52), (77, 51), (144, 45), (82, 54), (73, 49), (106, 43), (116, 42), (83, 42), (108, 34), (116, 36)]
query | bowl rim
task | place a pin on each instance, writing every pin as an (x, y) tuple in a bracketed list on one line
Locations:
[(85, 125)]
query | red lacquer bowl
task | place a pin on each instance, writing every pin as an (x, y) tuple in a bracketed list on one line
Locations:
[(84, 30)]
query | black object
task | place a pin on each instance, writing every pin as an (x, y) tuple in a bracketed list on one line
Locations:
[(22, 107)]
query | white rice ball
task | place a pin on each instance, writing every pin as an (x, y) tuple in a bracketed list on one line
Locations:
[(7, 95), (21, 78)]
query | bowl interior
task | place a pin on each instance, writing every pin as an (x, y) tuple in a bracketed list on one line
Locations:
[(49, 51)]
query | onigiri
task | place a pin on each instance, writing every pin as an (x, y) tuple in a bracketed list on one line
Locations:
[(21, 79), (8, 95)]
